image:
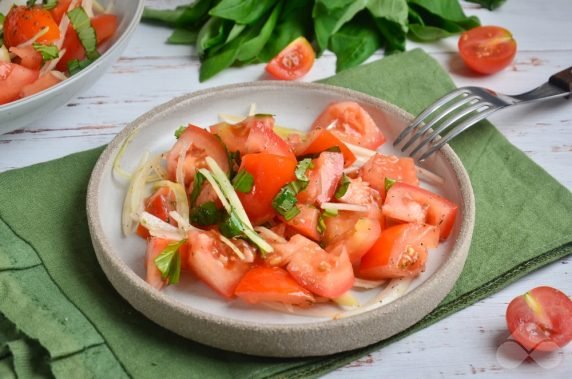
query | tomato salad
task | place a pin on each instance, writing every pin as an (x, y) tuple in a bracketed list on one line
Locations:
[(43, 43), (275, 216)]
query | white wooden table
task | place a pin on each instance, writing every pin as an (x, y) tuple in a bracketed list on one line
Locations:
[(150, 73)]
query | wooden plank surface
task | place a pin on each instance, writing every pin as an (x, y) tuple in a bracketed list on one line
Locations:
[(150, 73)]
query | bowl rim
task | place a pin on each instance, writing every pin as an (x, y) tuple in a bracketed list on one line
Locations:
[(129, 30), (120, 274)]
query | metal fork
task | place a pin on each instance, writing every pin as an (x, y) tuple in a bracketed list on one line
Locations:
[(465, 107)]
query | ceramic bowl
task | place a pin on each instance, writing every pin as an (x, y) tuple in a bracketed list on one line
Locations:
[(190, 308), (27, 110)]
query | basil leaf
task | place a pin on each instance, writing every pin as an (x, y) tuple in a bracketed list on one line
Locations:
[(243, 181), (425, 33), (291, 213), (30, 3), (242, 11), (285, 201), (231, 227), (75, 65), (166, 16), (197, 187), (207, 214), (48, 52), (50, 4), (391, 17), (489, 4), (445, 14), (295, 21), (302, 168), (389, 183), (185, 15), (355, 42), (213, 33), (235, 32), (85, 32), (331, 15), (342, 187), (182, 37), (169, 262), (251, 48)]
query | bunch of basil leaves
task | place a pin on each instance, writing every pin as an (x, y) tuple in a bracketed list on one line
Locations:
[(238, 32)]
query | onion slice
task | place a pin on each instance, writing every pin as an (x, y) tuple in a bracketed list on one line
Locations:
[(345, 207), (161, 229), (180, 196)]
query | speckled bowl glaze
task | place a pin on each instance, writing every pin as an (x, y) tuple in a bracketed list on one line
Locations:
[(27, 110), (194, 311)]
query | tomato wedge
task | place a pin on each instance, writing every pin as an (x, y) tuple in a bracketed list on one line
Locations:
[(270, 172), (154, 248), (28, 57), (541, 319), (321, 140), (13, 78), (487, 49), (215, 263), (44, 82), (105, 26), (408, 203), (323, 178), (22, 23), (293, 62), (200, 144), (359, 192), (271, 284), (379, 167), (61, 8), (306, 222), (355, 233), (350, 123), (159, 204), (400, 251), (325, 274)]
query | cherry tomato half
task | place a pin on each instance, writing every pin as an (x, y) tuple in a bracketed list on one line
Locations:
[(541, 319), (487, 49), (22, 23), (293, 62)]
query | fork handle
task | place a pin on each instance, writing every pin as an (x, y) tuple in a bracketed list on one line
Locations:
[(562, 80)]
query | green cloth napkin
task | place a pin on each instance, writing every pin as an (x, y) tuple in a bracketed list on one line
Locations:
[(60, 316)]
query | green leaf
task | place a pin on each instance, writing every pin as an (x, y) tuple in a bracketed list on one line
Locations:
[(85, 32), (218, 62), (389, 183), (50, 4), (355, 42), (182, 37), (75, 65), (169, 262), (231, 227), (445, 14), (423, 33), (182, 16), (180, 131), (48, 52), (197, 187), (251, 48), (342, 187), (295, 21), (242, 11), (213, 33), (331, 15), (302, 168), (243, 181), (291, 213), (166, 16), (207, 214), (391, 18), (489, 4), (235, 32), (285, 201)]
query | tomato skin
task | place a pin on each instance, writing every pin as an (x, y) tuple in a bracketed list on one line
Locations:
[(28, 57), (321, 140), (74, 50), (293, 62), (59, 10), (408, 203), (323, 178), (201, 144), (271, 284), (105, 26), (379, 167), (154, 248), (159, 204), (306, 222), (44, 82), (22, 23), (353, 124), (541, 319), (215, 263), (325, 274), (359, 192), (13, 78), (487, 49), (357, 234), (270, 172), (400, 251)]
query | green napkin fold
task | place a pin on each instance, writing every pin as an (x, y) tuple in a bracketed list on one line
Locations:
[(60, 316)]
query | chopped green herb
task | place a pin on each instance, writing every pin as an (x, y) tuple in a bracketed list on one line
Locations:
[(329, 212), (207, 214), (75, 65), (85, 32), (30, 3), (293, 212), (389, 183), (169, 262), (48, 52), (233, 160), (303, 166), (180, 131), (263, 115), (50, 4), (342, 187), (285, 201), (243, 181), (321, 227), (298, 185), (231, 227), (197, 187)]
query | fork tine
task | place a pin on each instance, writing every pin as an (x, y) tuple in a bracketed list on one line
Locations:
[(436, 105), (450, 121), (442, 114), (458, 130)]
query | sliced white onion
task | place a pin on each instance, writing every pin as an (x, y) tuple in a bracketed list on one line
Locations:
[(4, 54), (182, 223), (346, 300), (206, 173), (368, 284), (270, 235), (344, 207), (180, 169), (332, 125), (118, 171), (230, 119), (161, 229), (59, 75), (110, 6), (252, 110), (50, 65), (87, 6), (233, 247), (428, 176), (360, 150), (29, 42), (180, 196)]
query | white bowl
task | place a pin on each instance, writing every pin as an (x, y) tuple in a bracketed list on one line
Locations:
[(19, 113), (191, 308)]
